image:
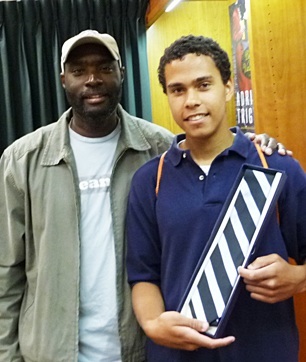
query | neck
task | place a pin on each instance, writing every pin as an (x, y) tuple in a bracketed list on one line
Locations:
[(94, 128), (204, 151)]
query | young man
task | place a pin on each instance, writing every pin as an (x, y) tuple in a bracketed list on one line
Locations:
[(168, 232)]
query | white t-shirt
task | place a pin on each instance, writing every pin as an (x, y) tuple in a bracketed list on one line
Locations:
[(98, 324), (205, 169)]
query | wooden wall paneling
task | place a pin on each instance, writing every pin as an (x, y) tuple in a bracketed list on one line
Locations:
[(209, 18), (157, 7), (278, 64), (279, 71), (155, 10)]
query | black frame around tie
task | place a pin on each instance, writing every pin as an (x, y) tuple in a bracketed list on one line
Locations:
[(213, 288)]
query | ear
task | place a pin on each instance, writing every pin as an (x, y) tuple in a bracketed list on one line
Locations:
[(229, 90), (122, 72), (63, 80)]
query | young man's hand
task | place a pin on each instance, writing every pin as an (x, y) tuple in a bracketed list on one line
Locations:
[(272, 279), (170, 329), (173, 330)]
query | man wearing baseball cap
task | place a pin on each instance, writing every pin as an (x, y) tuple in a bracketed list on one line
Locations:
[(64, 294), (63, 203)]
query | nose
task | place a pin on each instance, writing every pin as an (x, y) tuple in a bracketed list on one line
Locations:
[(93, 79), (192, 98)]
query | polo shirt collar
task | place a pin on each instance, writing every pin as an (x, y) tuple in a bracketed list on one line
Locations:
[(240, 146)]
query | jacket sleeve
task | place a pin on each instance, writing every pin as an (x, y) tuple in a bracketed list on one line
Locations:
[(12, 266)]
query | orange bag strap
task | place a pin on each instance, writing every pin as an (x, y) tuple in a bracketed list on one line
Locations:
[(159, 171), (261, 156), (265, 165)]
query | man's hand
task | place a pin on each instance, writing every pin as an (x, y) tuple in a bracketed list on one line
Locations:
[(268, 144), (271, 279), (170, 329), (173, 330)]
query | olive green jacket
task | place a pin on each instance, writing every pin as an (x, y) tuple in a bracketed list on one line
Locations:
[(40, 240)]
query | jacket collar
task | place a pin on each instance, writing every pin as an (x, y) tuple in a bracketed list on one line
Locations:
[(131, 134), (58, 145)]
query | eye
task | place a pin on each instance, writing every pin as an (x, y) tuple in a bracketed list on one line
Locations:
[(77, 71), (204, 85), (106, 68), (176, 90)]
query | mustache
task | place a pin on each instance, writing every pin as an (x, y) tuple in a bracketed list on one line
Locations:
[(93, 92)]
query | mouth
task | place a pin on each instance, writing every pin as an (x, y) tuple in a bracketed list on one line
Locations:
[(196, 117), (94, 98)]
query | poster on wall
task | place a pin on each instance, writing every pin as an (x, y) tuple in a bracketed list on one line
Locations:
[(241, 65)]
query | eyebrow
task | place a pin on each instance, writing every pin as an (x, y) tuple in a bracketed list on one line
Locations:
[(85, 62), (207, 78), (174, 85), (204, 78)]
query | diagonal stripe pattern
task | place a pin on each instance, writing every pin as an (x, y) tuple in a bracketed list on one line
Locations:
[(232, 243)]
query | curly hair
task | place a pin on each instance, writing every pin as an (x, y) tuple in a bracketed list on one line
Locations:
[(196, 45)]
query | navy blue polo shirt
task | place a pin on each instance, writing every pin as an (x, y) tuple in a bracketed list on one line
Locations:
[(167, 234)]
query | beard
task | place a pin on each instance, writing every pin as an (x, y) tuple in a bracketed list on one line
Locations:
[(94, 114)]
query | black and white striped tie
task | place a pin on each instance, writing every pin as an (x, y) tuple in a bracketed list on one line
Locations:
[(216, 277)]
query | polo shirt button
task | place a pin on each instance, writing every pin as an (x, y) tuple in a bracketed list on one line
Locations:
[(184, 155), (201, 177)]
